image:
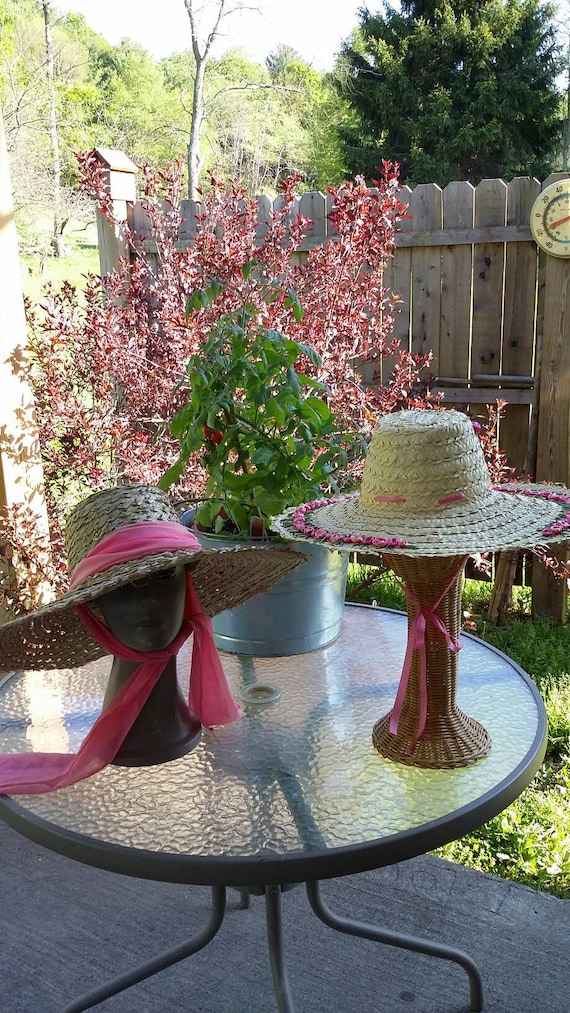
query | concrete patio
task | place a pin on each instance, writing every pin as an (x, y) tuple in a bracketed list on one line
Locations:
[(66, 927)]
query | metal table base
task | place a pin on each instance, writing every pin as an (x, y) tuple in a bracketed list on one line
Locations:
[(273, 907)]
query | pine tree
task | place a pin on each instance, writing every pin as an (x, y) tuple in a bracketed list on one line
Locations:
[(453, 89)]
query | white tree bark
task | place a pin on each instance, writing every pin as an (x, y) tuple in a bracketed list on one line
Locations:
[(215, 13), (57, 239)]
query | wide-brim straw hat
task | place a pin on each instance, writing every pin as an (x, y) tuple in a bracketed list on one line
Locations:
[(426, 491), (55, 637)]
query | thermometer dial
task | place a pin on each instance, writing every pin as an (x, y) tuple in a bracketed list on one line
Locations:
[(550, 219)]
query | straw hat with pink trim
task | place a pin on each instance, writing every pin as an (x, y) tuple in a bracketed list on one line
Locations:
[(426, 491), (55, 636)]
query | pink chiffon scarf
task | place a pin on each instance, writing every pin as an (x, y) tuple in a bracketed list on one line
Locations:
[(209, 697)]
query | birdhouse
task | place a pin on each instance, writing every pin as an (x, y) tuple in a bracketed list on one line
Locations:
[(120, 174)]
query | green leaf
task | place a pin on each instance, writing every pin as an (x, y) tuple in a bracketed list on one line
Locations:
[(271, 503), (291, 302), (319, 408), (274, 410), (181, 421), (197, 301), (309, 381), (214, 289), (207, 512), (311, 353), (263, 456), (293, 380), (172, 475)]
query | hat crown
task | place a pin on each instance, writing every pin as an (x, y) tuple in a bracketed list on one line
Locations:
[(421, 461), (106, 511)]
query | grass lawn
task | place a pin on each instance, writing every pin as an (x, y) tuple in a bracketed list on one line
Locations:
[(529, 842), (83, 257)]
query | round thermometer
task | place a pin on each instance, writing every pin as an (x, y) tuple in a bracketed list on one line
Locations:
[(550, 219)]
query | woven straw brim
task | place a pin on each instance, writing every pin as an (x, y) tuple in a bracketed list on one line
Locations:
[(494, 522), (55, 637)]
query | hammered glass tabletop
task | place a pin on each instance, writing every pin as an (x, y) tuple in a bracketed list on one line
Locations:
[(299, 774)]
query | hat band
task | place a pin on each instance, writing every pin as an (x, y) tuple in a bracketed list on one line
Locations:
[(132, 542), (209, 697)]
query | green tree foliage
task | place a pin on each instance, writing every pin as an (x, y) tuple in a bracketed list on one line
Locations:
[(318, 108), (25, 93), (329, 115), (259, 124), (135, 112), (240, 127), (262, 122), (453, 89)]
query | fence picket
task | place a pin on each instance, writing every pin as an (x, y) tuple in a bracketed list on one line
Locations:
[(189, 210), (426, 209), (140, 221), (313, 205), (398, 279), (488, 279), (264, 209), (518, 327), (456, 287)]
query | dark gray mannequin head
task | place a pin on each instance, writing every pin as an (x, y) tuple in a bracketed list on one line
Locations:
[(146, 614)]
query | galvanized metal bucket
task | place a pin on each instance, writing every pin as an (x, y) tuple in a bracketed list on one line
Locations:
[(300, 613)]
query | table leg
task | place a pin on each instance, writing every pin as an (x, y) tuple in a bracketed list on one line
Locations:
[(158, 963), (401, 940), (276, 954)]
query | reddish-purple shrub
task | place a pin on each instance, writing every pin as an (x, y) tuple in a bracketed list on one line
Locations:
[(107, 364)]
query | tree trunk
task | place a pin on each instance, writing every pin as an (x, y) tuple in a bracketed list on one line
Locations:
[(57, 237), (194, 155), (220, 10)]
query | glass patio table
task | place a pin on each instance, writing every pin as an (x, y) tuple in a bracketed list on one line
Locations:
[(293, 792)]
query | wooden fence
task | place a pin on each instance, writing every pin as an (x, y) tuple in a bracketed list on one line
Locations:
[(476, 292)]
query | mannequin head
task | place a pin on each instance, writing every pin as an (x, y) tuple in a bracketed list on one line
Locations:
[(146, 614)]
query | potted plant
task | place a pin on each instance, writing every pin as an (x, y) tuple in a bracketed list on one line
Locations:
[(257, 420)]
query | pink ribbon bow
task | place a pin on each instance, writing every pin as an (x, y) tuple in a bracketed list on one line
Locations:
[(209, 697), (417, 642)]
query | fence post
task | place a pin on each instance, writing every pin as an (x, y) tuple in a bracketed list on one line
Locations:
[(21, 472), (549, 596), (120, 176)]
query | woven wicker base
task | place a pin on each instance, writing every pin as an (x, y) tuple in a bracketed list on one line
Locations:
[(450, 738), (457, 742)]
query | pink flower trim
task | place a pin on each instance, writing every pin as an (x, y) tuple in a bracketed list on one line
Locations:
[(563, 522), (298, 518)]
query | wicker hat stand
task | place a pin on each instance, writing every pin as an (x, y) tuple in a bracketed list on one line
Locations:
[(450, 738)]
